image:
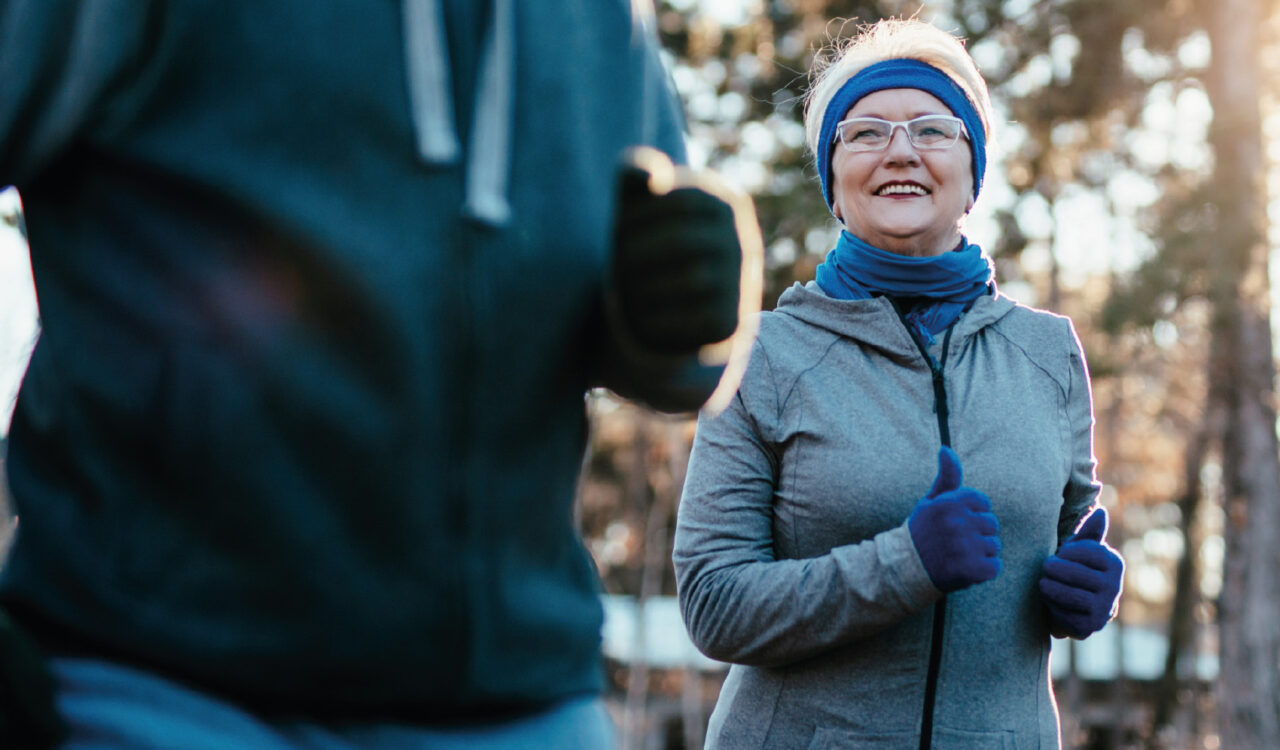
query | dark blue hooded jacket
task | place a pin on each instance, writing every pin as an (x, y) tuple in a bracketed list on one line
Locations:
[(320, 284)]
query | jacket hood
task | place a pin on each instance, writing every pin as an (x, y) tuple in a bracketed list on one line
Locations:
[(874, 321)]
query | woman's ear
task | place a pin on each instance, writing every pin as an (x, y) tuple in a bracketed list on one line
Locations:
[(968, 206)]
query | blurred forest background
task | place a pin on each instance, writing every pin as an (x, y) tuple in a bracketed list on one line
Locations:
[(1135, 151), (1130, 186)]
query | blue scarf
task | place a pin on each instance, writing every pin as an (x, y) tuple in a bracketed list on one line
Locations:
[(948, 282)]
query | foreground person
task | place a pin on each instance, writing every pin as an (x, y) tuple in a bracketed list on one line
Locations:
[(322, 287)]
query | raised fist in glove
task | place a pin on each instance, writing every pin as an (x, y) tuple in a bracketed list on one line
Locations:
[(1080, 585), (954, 530), (676, 265)]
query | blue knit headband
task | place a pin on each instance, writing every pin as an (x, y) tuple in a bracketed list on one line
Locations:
[(900, 74)]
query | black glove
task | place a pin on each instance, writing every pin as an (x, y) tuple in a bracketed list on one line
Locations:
[(28, 719), (676, 265)]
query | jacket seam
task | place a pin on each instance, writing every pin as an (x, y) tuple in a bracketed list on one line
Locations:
[(780, 406), (773, 710), (769, 436), (1032, 359), (791, 388), (800, 412)]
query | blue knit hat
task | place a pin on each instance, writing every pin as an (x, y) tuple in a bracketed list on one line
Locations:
[(900, 74)]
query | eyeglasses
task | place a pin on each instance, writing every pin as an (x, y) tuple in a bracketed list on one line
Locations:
[(931, 132)]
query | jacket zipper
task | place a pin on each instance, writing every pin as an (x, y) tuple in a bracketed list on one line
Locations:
[(939, 609)]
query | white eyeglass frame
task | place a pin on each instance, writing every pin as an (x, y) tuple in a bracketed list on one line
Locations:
[(893, 127)]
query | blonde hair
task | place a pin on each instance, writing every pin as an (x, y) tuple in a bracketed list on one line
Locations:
[(888, 40)]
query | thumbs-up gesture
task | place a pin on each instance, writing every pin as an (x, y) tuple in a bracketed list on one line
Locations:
[(1081, 584), (954, 530)]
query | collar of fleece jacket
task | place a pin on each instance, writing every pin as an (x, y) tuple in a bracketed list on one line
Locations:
[(874, 323)]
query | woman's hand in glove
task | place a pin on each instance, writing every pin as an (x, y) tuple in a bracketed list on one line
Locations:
[(1081, 584), (954, 530)]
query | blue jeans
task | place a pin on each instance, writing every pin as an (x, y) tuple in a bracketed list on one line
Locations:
[(109, 706)]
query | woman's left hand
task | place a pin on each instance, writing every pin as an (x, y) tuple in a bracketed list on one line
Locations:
[(1081, 584)]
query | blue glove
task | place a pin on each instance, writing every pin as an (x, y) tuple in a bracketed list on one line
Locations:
[(1081, 584), (954, 530)]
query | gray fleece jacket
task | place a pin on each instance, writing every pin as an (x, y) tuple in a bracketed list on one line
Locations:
[(792, 553)]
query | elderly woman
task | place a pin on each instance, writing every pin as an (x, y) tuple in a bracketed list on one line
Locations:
[(893, 516)]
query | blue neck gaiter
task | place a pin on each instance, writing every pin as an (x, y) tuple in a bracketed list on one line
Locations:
[(948, 283)]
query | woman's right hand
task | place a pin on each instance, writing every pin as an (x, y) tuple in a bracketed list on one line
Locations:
[(954, 530)]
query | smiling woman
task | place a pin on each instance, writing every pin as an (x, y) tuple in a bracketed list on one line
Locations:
[(880, 533)]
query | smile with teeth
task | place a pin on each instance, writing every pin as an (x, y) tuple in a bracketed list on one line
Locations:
[(902, 188)]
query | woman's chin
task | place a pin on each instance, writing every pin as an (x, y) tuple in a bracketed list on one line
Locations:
[(914, 244)]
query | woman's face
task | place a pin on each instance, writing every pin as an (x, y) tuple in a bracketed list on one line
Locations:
[(934, 188)]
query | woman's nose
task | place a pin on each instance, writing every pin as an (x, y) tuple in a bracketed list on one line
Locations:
[(900, 147)]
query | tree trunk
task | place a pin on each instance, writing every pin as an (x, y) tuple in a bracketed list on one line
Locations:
[(1249, 609), (1071, 701), (1179, 661), (640, 495)]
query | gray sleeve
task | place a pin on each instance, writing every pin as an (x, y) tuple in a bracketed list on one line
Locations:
[(739, 602), (1082, 488), (58, 61)]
